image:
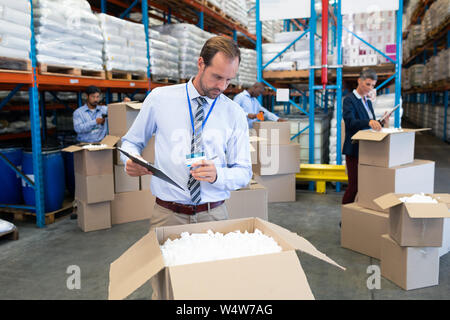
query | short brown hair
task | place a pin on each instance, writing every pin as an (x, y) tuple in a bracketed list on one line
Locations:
[(219, 44), (367, 73)]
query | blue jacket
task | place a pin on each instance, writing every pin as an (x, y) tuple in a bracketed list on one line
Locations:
[(356, 118)]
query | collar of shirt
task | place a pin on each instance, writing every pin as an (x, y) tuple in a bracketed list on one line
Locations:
[(358, 96), (193, 93), (97, 108), (246, 93)]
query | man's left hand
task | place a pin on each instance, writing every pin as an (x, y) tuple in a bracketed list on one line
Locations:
[(281, 120), (204, 170)]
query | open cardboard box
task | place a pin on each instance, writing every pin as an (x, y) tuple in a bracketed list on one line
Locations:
[(383, 149), (415, 224), (269, 276), (93, 161), (121, 116)]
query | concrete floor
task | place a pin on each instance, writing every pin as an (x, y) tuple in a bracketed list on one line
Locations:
[(34, 267)]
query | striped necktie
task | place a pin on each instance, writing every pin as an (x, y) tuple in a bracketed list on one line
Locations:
[(196, 147)]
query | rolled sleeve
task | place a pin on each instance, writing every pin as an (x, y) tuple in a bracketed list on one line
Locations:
[(238, 172)]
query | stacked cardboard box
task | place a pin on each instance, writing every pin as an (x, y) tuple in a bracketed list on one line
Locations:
[(133, 200), (386, 164), (94, 183), (247, 202), (380, 226), (278, 160), (411, 249)]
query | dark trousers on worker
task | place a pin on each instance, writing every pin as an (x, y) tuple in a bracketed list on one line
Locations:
[(352, 173)]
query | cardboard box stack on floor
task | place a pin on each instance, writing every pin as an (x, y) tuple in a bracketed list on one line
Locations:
[(416, 238), (387, 166), (94, 183), (133, 200), (278, 160)]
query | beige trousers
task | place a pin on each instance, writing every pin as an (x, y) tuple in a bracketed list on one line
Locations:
[(165, 217)]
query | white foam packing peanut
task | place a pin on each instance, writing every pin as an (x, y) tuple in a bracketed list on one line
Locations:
[(418, 198), (388, 130), (94, 146), (210, 246)]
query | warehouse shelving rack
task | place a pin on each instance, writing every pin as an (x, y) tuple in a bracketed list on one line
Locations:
[(339, 73), (196, 12), (440, 39)]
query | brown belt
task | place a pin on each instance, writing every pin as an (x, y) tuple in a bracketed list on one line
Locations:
[(187, 209)]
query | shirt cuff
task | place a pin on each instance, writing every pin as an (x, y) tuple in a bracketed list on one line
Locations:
[(220, 180)]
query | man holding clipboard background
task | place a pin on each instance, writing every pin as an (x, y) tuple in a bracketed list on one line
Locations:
[(358, 115), (201, 140)]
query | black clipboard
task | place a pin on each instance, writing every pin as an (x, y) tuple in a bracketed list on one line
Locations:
[(156, 172)]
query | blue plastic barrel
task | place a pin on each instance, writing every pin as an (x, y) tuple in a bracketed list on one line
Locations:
[(69, 172), (54, 178), (10, 186)]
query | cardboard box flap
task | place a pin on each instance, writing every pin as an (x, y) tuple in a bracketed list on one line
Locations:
[(298, 243), (371, 135), (132, 104), (110, 141), (427, 210), (387, 201), (443, 197), (134, 267), (260, 277), (74, 148)]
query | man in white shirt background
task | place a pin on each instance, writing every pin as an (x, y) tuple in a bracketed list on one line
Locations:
[(248, 100)]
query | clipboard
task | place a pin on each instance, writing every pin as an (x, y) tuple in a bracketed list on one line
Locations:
[(387, 115), (156, 172)]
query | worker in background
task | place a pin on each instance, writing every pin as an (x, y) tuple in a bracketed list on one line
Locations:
[(358, 115), (90, 121), (194, 122), (247, 99)]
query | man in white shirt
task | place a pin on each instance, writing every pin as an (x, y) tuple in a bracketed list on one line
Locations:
[(194, 121), (247, 99)]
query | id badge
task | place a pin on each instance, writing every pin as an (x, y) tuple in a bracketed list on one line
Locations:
[(193, 158)]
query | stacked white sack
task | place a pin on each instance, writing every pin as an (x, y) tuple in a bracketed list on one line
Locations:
[(67, 33), (15, 32), (164, 57), (125, 46), (210, 246), (247, 68), (190, 42), (333, 141)]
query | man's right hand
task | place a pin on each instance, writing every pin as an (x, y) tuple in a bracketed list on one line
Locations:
[(135, 170), (252, 115), (375, 125), (100, 120)]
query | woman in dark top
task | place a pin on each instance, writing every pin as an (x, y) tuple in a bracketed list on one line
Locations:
[(358, 115)]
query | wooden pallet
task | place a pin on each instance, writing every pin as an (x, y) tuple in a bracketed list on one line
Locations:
[(210, 6), (55, 70), (10, 235), (50, 217), (15, 65), (126, 75), (157, 79)]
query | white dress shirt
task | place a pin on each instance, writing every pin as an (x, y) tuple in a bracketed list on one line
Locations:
[(165, 113)]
